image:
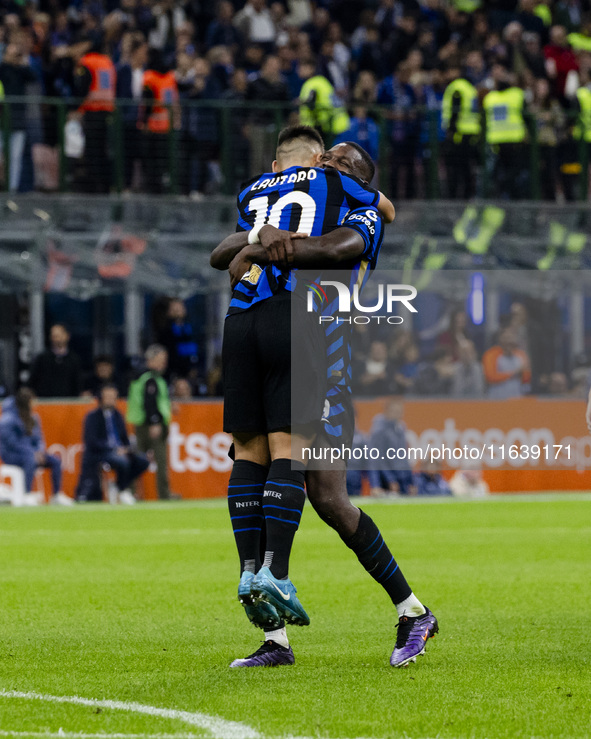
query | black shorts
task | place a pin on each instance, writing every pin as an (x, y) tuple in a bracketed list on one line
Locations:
[(261, 355)]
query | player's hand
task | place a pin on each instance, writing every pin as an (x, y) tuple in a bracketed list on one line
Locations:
[(277, 244), (238, 267)]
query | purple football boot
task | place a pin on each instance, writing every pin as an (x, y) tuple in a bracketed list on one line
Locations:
[(269, 654), (413, 632)]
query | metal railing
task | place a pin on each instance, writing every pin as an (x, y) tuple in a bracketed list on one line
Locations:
[(228, 136)]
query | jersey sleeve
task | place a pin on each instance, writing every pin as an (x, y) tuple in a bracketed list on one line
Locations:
[(241, 223), (369, 224), (357, 192)]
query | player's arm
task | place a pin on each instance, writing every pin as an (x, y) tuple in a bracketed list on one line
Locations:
[(222, 255), (275, 246), (325, 252), (386, 208)]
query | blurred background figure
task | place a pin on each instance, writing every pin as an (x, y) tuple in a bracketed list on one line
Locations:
[(149, 410), (468, 484), (22, 444), (95, 81), (388, 436), (130, 85), (181, 389), (468, 377), (15, 75), (429, 481), (106, 442), (103, 374), (506, 367), (177, 337), (56, 373)]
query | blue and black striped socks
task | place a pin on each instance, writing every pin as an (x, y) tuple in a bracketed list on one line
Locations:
[(245, 496), (373, 553), (283, 503)]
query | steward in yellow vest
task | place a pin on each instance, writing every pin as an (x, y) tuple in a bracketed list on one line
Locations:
[(506, 134), (320, 106), (461, 122)]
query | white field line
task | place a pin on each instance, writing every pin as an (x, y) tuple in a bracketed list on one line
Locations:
[(81, 735), (220, 728)]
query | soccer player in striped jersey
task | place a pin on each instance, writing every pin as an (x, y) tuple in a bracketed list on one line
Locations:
[(326, 489)]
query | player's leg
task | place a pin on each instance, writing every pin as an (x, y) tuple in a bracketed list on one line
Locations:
[(283, 503), (327, 492), (243, 417), (252, 460)]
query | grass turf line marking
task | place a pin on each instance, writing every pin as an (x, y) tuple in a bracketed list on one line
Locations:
[(219, 727), (81, 735)]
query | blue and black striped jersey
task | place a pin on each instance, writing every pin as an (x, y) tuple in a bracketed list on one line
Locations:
[(307, 200), (370, 225)]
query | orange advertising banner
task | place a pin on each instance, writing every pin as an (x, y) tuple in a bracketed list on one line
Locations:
[(199, 466)]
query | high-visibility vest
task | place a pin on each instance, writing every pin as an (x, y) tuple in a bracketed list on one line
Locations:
[(544, 13), (579, 42), (504, 116), (468, 120), (326, 111), (584, 125), (1, 91), (166, 93), (101, 95)]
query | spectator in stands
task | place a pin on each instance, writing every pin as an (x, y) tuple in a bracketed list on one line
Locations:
[(238, 129), (429, 481), (256, 24), (181, 389), (56, 372), (148, 409), (400, 97), (375, 377), (468, 484), (200, 129), (550, 121), (103, 374), (22, 444), (407, 372), (561, 61), (388, 432), (506, 367), (364, 131), (267, 87), (15, 75), (130, 86), (106, 442), (222, 31), (456, 335), (434, 376), (468, 378), (178, 339)]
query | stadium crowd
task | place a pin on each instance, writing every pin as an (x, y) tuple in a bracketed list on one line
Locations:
[(453, 359), (330, 60)]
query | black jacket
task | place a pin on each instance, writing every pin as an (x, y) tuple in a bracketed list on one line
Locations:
[(96, 440)]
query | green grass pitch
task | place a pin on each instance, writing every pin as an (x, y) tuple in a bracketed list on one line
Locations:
[(138, 605)]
